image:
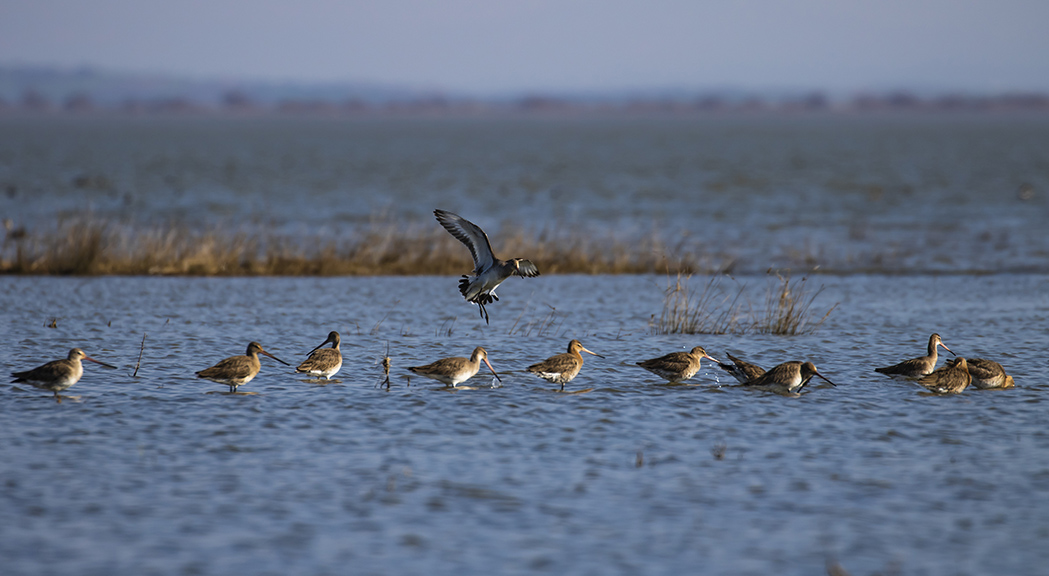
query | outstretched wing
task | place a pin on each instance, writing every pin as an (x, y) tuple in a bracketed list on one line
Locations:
[(526, 269), (470, 234)]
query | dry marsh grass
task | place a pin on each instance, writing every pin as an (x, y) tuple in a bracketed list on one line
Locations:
[(711, 310), (788, 308), (720, 309), (88, 246)]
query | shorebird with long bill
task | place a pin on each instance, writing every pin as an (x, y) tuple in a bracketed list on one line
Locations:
[(323, 362), (455, 371), (562, 368), (787, 378), (238, 370), (677, 366), (489, 271), (917, 367), (58, 375)]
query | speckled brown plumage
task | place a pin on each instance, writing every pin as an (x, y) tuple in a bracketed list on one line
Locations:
[(677, 366)]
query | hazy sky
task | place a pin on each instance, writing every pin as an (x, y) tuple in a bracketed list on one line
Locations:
[(494, 46)]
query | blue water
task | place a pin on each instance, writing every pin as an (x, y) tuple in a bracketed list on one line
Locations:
[(162, 473), (931, 223)]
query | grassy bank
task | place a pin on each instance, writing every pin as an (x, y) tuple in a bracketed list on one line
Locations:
[(90, 246)]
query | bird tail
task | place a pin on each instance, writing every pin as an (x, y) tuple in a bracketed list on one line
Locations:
[(482, 298)]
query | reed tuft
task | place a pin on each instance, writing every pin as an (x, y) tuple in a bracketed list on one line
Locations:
[(710, 311), (788, 308), (716, 309)]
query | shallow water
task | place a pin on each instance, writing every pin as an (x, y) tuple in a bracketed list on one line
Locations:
[(907, 193), (160, 474)]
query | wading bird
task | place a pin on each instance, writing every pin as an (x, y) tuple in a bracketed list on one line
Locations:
[(323, 362), (951, 379), (58, 375), (238, 370), (455, 371), (562, 368), (489, 272), (988, 374), (917, 367), (677, 366), (787, 378)]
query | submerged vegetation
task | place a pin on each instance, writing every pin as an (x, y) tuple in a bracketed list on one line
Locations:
[(717, 309), (89, 246)]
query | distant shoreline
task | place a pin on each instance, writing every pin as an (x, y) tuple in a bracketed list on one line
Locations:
[(96, 247), (533, 108)]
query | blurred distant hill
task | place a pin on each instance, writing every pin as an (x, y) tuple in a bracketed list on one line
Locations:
[(34, 90)]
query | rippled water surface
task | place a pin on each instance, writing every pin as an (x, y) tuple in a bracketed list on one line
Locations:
[(163, 473)]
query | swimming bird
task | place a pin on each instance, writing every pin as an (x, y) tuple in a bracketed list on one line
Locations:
[(988, 374), (238, 370), (324, 362), (562, 368), (917, 367), (58, 375), (677, 366), (788, 377), (742, 371), (489, 272), (952, 378), (455, 371)]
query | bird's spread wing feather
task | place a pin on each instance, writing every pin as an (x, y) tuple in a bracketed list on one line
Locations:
[(472, 236), (527, 269)]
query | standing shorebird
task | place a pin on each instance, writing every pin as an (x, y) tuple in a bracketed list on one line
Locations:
[(787, 378), (455, 371), (742, 371), (677, 366), (324, 362), (951, 379), (917, 367), (988, 374), (237, 370), (562, 368), (58, 375), (489, 272)]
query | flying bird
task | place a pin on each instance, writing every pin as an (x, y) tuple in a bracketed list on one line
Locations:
[(489, 272)]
